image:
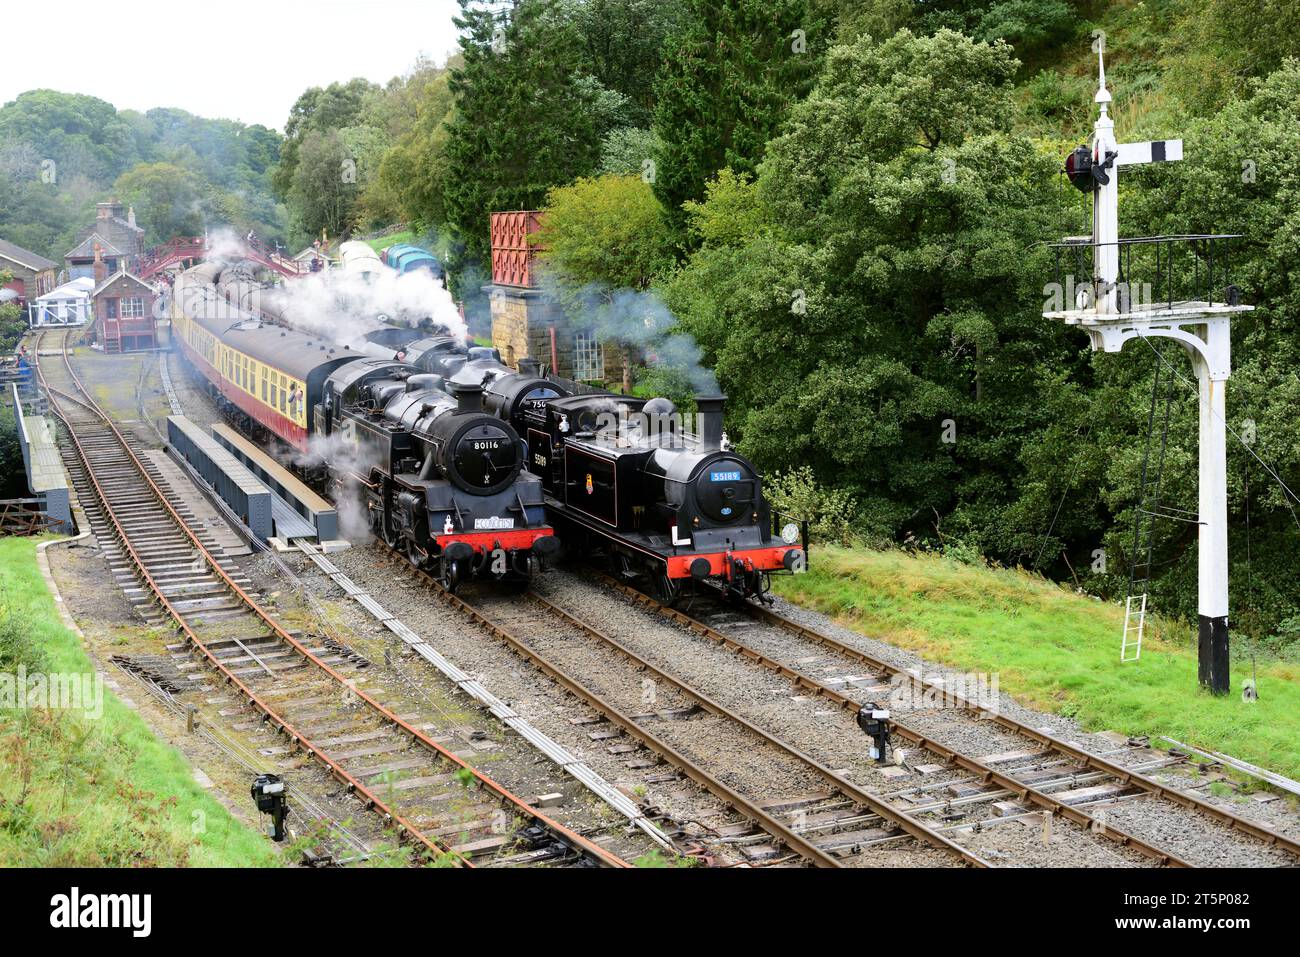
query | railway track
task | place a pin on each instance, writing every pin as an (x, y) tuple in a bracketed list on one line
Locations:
[(1052, 776), (809, 814), (309, 688)]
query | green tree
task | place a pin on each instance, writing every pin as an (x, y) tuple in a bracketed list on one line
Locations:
[(600, 239), (729, 74), (406, 185), (878, 281), (525, 118), (82, 135), (318, 110), (622, 42), (166, 198), (628, 150), (324, 188)]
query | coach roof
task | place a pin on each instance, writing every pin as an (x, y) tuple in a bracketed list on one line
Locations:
[(280, 348)]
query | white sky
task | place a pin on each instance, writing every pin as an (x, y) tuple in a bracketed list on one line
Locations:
[(233, 59)]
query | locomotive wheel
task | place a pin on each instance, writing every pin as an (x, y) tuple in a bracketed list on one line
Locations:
[(413, 553), (392, 536), (451, 576)]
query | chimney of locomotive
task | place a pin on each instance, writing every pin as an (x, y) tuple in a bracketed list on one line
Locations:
[(710, 411), (468, 396)]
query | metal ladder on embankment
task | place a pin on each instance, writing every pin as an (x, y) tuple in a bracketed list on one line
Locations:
[(1148, 509)]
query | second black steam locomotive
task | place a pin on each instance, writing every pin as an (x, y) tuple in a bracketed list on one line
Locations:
[(667, 501)]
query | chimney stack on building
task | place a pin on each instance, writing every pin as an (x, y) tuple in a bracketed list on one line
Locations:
[(101, 267)]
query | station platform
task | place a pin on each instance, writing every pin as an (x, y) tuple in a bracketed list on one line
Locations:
[(228, 477), (299, 512), (46, 478)]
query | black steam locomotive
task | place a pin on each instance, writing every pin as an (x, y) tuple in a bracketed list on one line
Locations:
[(627, 475), (442, 480)]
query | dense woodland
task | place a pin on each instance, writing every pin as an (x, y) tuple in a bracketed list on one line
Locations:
[(841, 208)]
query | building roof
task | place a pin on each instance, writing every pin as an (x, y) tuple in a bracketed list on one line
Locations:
[(25, 257), (115, 277), (76, 289), (86, 248)]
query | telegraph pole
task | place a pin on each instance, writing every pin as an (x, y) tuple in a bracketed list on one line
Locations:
[(1111, 309)]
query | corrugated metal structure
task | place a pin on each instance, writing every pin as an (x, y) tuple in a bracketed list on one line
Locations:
[(229, 478), (512, 255)]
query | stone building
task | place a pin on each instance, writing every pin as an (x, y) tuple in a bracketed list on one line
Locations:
[(119, 239), (33, 275), (528, 324)]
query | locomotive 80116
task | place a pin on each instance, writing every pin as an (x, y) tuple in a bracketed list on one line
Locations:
[(625, 474), (442, 480)]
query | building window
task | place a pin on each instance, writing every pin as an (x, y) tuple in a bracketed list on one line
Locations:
[(588, 358), (132, 308), (110, 308)]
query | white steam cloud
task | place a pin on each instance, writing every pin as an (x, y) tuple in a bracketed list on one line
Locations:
[(225, 244), (344, 461), (345, 307)]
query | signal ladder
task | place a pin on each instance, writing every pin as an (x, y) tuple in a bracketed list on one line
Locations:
[(1148, 509)]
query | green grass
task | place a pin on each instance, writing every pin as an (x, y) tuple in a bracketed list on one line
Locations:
[(383, 242), (84, 791), (1053, 649)]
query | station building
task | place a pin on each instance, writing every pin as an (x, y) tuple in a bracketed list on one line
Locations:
[(33, 275), (123, 306), (114, 238)]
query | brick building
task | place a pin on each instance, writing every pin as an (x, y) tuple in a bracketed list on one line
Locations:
[(119, 239), (124, 313)]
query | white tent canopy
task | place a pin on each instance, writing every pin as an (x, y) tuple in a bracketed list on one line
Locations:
[(68, 305)]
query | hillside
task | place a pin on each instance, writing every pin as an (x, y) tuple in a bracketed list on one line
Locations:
[(60, 153)]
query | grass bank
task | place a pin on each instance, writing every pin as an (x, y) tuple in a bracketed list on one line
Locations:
[(1053, 649), (392, 239), (92, 787)]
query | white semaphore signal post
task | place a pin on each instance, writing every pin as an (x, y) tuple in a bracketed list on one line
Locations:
[(1182, 294)]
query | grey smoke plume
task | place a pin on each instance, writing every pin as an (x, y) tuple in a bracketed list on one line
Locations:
[(637, 319)]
